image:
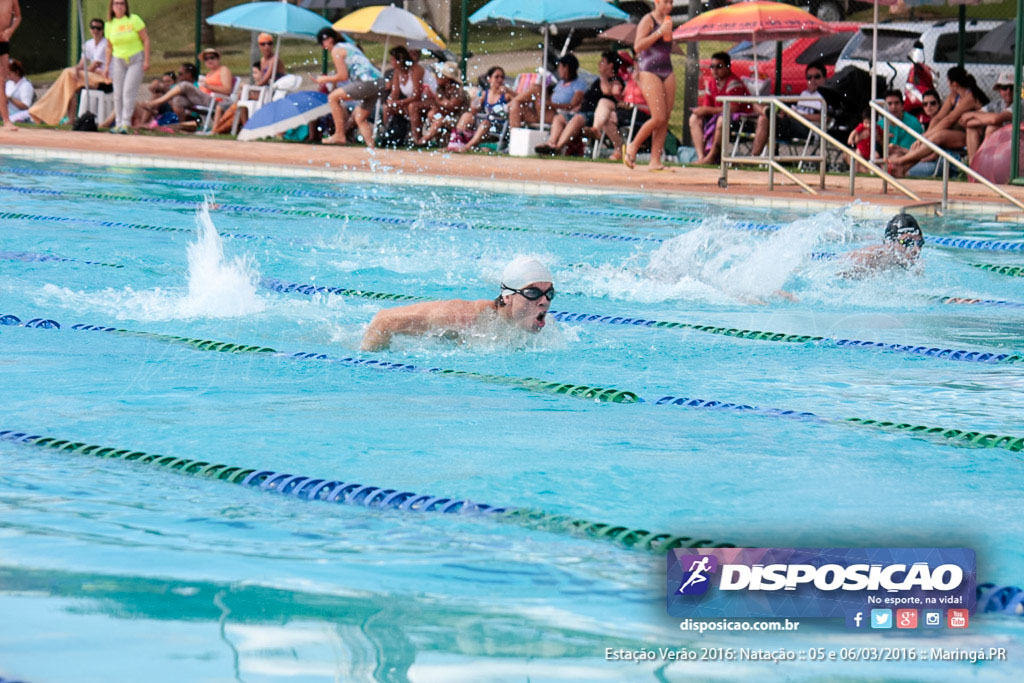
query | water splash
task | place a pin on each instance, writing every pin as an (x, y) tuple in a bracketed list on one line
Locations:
[(217, 287)]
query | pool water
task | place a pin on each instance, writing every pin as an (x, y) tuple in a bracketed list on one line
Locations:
[(132, 572)]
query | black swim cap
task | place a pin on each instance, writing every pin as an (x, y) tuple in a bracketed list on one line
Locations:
[(901, 224)]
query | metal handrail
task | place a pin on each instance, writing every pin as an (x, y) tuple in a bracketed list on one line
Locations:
[(949, 159), (780, 102)]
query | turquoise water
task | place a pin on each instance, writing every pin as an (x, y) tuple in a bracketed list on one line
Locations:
[(210, 581)]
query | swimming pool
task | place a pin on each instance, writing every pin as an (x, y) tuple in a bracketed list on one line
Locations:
[(131, 571)]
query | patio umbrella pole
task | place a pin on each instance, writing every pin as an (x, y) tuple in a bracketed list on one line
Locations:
[(543, 78)]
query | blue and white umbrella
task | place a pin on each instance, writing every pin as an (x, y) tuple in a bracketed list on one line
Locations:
[(284, 114), (279, 18), (545, 14)]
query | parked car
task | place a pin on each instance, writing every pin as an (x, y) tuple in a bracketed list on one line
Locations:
[(940, 40), (796, 55)]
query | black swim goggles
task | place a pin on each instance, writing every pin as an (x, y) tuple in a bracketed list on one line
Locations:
[(532, 293), (911, 242)]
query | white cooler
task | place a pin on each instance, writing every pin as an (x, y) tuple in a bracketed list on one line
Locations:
[(521, 141)]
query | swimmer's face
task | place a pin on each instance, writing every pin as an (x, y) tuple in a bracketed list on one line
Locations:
[(908, 246), (529, 315)]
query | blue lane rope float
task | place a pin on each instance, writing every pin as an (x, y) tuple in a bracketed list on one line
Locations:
[(963, 355), (976, 302), (992, 598), (28, 256), (589, 393), (760, 335), (375, 497), (979, 245), (120, 224), (316, 213), (1014, 271)]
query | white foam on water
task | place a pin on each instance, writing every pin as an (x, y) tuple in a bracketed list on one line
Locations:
[(714, 262), (217, 287)]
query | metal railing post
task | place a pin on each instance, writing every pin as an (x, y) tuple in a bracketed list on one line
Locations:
[(724, 180), (823, 164), (885, 151), (945, 183), (772, 113)]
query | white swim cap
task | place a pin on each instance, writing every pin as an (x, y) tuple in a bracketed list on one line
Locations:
[(524, 270)]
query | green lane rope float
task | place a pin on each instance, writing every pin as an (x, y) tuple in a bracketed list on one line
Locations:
[(1015, 271), (590, 393), (315, 213), (976, 302), (276, 285), (760, 335), (997, 598), (374, 497), (27, 256), (119, 224), (964, 355)]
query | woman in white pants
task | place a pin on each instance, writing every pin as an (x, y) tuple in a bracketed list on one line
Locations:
[(128, 44)]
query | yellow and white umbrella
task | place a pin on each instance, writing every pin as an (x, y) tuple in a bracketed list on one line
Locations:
[(390, 22)]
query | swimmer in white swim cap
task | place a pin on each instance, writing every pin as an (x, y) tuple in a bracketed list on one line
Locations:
[(523, 302)]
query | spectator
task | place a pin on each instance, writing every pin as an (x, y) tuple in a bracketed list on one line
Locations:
[(944, 129), (565, 97), (58, 101), (428, 96), (448, 104), (930, 103), (657, 81), (19, 92), (785, 127), (185, 94), (919, 81), (991, 117), (8, 24), (356, 81), (268, 68), (492, 108), (127, 60), (860, 137), (706, 119), (602, 96), (901, 140), (406, 84)]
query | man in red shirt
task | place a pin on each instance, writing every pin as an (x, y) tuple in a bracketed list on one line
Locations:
[(706, 119)]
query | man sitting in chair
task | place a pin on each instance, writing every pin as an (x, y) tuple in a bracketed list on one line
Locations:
[(787, 128), (706, 119)]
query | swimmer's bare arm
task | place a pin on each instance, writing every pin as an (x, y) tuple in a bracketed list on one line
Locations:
[(456, 314)]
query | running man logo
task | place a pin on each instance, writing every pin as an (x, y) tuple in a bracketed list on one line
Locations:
[(696, 578)]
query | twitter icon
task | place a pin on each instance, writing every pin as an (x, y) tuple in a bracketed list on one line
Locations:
[(881, 618)]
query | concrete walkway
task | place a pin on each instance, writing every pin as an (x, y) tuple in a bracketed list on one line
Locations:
[(530, 175)]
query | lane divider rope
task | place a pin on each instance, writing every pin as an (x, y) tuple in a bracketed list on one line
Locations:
[(965, 355), (976, 244), (1016, 271), (374, 497), (992, 598), (27, 256), (120, 224), (590, 393)]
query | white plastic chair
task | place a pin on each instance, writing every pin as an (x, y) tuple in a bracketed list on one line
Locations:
[(217, 99), (249, 103), (98, 102)]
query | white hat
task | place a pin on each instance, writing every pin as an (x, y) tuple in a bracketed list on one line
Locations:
[(450, 70), (522, 271), (1005, 78)]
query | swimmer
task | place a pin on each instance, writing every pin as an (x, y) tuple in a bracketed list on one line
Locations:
[(901, 248), (523, 303)]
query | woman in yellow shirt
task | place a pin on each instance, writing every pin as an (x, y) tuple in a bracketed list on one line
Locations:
[(128, 44)]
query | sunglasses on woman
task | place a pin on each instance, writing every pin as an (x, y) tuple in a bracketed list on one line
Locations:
[(533, 293), (96, 28), (931, 103)]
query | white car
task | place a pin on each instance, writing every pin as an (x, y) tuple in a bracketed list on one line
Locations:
[(895, 41)]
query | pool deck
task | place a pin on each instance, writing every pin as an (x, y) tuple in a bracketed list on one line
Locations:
[(498, 173)]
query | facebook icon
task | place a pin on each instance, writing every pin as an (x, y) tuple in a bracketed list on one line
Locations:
[(855, 619)]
